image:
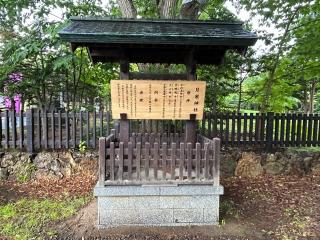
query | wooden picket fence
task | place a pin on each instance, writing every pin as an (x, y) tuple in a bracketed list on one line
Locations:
[(141, 161), (269, 130), (34, 130)]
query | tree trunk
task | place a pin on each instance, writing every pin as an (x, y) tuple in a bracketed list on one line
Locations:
[(190, 9), (167, 10), (272, 72), (127, 9), (215, 94), (312, 94), (267, 91), (305, 101), (240, 97)]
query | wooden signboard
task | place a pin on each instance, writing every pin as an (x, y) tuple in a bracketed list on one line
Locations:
[(154, 99)]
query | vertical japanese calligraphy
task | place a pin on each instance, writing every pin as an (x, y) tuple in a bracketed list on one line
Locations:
[(154, 99)]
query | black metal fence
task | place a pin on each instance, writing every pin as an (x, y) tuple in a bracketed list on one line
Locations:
[(34, 130)]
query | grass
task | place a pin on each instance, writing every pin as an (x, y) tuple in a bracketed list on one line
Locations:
[(248, 111), (25, 172), (26, 218), (228, 210), (305, 149)]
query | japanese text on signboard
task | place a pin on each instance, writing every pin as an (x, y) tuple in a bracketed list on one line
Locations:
[(154, 99)]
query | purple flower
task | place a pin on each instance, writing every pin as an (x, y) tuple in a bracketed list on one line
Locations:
[(7, 102), (17, 102), (15, 77)]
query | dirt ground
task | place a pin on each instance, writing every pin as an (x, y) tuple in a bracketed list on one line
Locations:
[(83, 224), (266, 207)]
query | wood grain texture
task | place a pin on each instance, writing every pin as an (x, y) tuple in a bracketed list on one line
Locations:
[(154, 99)]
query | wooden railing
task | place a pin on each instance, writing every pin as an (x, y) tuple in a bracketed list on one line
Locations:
[(34, 130), (267, 131), (142, 162)]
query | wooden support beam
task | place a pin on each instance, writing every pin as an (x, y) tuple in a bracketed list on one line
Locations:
[(124, 70), (191, 124), (157, 76), (191, 65), (124, 122)]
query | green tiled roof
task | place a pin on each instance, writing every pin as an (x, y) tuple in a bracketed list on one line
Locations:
[(171, 32)]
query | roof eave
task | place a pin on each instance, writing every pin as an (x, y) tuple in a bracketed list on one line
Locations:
[(167, 40)]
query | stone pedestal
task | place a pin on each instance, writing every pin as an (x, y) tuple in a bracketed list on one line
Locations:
[(158, 205)]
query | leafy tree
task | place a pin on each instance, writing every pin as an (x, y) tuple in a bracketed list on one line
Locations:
[(34, 48), (290, 19)]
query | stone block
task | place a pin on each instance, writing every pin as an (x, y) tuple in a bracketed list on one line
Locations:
[(127, 217), (126, 191), (188, 215), (205, 201), (126, 202), (156, 216), (116, 217), (211, 215), (191, 190), (158, 205)]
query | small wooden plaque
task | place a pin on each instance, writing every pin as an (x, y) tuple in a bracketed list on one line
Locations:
[(155, 99)]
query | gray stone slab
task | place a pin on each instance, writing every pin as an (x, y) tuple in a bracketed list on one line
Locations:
[(191, 190), (204, 201), (158, 190), (126, 191), (129, 202), (158, 205), (118, 217), (102, 226), (157, 216), (148, 217), (188, 215), (211, 215)]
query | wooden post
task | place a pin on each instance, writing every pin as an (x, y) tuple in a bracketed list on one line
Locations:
[(191, 130), (30, 128), (269, 133), (14, 128), (0, 128), (124, 122), (216, 164), (7, 130), (191, 124), (21, 129), (102, 161)]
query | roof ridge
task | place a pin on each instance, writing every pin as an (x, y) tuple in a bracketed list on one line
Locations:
[(152, 20)]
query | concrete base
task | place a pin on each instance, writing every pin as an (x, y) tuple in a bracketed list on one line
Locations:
[(158, 205)]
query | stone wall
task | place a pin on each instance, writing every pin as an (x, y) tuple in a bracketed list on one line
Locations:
[(286, 161), (54, 164), (234, 161)]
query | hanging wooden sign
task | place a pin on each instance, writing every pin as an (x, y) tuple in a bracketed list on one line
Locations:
[(155, 99)]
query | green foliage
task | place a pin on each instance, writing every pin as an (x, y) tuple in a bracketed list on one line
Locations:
[(216, 10), (49, 68), (82, 147), (25, 172), (281, 98), (293, 53), (284, 78), (24, 219), (228, 209)]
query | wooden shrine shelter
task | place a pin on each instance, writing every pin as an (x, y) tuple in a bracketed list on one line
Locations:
[(157, 41), (158, 178)]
